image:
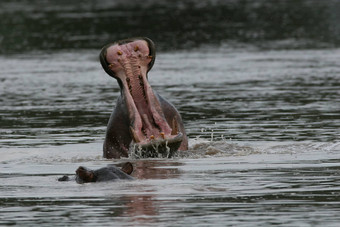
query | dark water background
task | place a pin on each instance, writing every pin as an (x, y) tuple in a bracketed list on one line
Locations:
[(257, 84), (176, 24)]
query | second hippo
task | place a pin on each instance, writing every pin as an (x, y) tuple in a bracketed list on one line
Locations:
[(108, 173)]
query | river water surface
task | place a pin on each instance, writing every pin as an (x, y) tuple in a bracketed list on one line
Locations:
[(263, 127)]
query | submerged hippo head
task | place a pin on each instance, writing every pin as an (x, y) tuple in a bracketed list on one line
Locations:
[(142, 120), (108, 173)]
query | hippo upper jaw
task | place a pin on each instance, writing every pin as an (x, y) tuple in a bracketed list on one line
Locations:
[(129, 63)]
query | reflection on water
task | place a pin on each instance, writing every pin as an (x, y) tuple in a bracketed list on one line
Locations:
[(291, 185)]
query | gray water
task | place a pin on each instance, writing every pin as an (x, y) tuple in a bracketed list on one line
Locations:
[(260, 104), (263, 129)]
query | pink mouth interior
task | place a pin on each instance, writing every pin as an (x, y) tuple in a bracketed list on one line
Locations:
[(130, 63)]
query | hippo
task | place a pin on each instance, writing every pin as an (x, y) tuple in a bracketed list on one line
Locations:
[(142, 123), (108, 173)]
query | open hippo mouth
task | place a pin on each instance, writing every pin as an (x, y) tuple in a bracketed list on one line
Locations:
[(129, 61)]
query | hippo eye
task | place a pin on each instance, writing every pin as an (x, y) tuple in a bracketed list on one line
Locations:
[(119, 52), (136, 48)]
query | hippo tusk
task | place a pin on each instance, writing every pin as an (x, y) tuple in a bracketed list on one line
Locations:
[(174, 127), (134, 135)]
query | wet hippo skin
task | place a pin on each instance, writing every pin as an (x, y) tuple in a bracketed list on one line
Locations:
[(108, 173), (142, 122)]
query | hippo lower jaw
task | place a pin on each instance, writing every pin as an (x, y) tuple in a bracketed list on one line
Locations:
[(157, 148), (155, 142), (151, 133)]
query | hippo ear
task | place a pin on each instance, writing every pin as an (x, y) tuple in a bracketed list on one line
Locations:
[(152, 51), (127, 168), (104, 63)]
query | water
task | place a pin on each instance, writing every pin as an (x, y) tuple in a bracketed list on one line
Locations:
[(264, 184), (262, 116)]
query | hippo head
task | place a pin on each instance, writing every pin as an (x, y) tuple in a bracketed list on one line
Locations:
[(152, 131), (109, 173)]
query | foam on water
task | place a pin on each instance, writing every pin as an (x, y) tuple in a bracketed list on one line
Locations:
[(198, 148)]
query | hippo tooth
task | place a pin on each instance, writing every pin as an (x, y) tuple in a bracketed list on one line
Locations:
[(150, 57), (135, 137), (152, 137), (162, 134), (174, 127)]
